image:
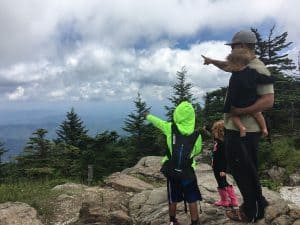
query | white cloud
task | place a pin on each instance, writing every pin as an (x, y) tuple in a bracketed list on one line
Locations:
[(58, 93), (43, 25), (101, 73), (17, 94), (79, 50)]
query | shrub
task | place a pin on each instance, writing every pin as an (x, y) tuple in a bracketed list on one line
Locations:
[(281, 152)]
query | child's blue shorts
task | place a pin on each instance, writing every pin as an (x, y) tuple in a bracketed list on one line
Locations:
[(184, 189)]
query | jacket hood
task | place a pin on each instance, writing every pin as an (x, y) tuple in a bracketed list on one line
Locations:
[(184, 118)]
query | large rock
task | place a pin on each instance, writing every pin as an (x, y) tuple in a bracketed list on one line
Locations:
[(69, 202), (123, 182), (147, 205), (18, 213), (294, 179), (104, 213), (277, 173), (80, 204), (148, 167), (135, 197), (291, 194), (150, 206)]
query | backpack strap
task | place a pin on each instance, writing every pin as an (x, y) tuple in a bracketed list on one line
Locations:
[(175, 131)]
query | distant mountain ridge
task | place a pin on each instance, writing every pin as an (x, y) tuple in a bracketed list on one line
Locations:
[(15, 136), (19, 121)]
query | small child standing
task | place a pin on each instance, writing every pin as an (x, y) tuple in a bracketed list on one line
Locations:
[(179, 164), (226, 191)]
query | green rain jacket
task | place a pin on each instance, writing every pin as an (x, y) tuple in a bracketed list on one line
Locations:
[(184, 118)]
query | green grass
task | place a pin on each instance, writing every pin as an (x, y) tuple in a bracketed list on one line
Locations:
[(38, 194), (271, 184)]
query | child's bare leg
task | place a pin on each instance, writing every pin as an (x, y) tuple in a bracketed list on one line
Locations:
[(172, 209), (262, 123), (194, 211), (238, 123)]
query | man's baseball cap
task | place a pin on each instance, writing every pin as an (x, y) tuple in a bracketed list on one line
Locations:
[(243, 37)]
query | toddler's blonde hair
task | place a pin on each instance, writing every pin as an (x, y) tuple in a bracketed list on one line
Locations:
[(239, 58), (218, 129)]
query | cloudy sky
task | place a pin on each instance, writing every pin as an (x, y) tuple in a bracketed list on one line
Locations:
[(65, 52)]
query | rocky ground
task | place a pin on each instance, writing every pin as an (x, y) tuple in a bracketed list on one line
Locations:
[(137, 196)]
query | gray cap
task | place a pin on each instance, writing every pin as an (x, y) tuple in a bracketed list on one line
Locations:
[(243, 37)]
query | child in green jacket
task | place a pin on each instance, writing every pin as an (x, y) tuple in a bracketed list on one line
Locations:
[(185, 188)]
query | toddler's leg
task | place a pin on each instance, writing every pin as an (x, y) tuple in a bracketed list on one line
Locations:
[(262, 123), (238, 123)]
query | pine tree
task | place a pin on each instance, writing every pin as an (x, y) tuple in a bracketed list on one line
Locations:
[(135, 122), (287, 104), (72, 131), (35, 158), (66, 159), (2, 151), (38, 144), (214, 103), (182, 92), (270, 51), (297, 72)]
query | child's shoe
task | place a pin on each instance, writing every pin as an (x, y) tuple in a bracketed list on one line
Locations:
[(196, 222), (224, 198), (175, 223)]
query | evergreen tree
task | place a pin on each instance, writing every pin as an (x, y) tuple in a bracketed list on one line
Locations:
[(135, 122), (287, 99), (297, 73), (66, 160), (95, 154), (35, 158), (2, 151), (214, 103), (112, 157), (38, 144), (200, 118), (182, 92), (270, 51), (72, 131)]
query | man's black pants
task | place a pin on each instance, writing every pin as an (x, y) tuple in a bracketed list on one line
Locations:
[(241, 156)]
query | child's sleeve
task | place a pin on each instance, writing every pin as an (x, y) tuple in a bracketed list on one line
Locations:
[(163, 125), (198, 146)]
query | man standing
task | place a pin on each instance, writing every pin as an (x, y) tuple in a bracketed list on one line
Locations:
[(241, 153)]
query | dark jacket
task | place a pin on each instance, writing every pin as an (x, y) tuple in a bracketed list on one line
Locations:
[(242, 89), (218, 156)]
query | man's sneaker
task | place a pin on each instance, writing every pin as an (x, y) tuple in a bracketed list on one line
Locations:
[(237, 215)]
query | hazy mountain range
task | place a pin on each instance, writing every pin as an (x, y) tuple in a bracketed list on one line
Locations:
[(15, 133), (19, 122)]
